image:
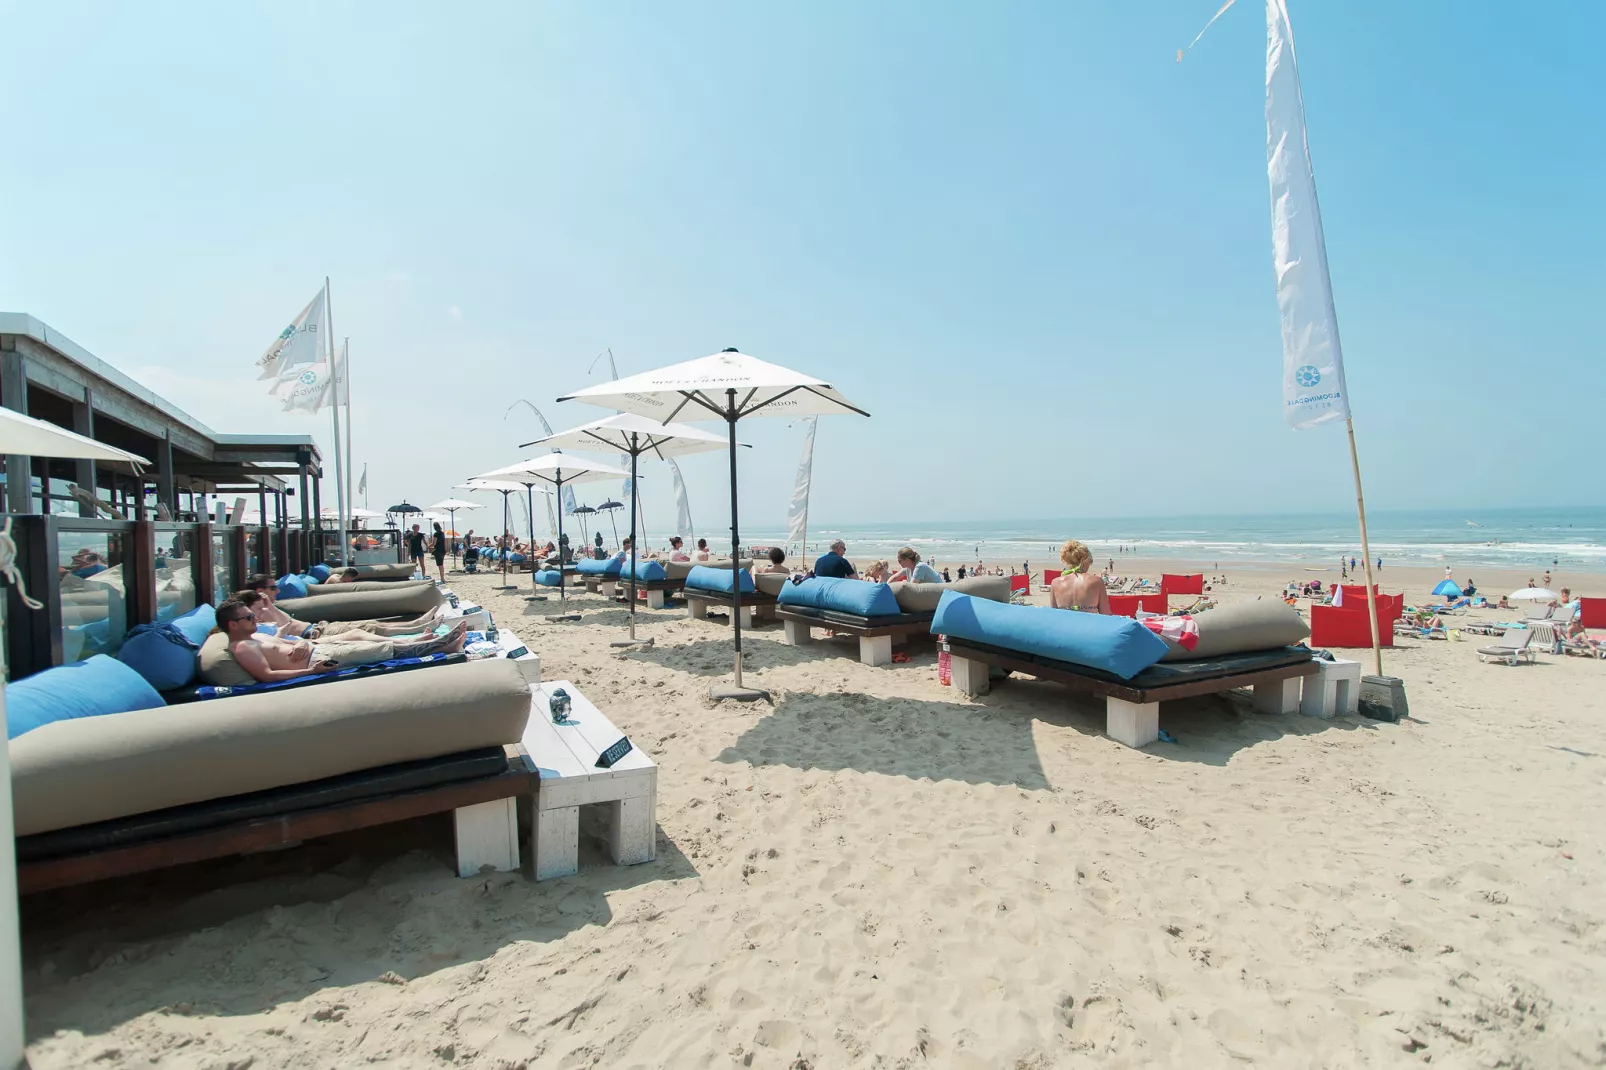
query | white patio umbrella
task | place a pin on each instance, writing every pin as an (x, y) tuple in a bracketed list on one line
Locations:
[(556, 470), (451, 506), (636, 436), (1534, 594), (29, 437), (503, 487), (728, 386)]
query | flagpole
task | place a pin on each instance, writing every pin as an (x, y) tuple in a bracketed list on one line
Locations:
[(334, 411), (1366, 548), (351, 498)]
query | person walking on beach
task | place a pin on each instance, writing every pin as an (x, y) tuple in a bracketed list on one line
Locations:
[(1547, 577), (415, 549), (437, 545)]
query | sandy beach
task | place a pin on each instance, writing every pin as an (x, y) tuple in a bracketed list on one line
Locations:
[(872, 872)]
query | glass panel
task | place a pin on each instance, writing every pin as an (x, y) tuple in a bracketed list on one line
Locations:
[(223, 564), (175, 574), (94, 607)]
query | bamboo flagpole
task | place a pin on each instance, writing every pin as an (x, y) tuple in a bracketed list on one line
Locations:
[(1314, 388), (334, 412)]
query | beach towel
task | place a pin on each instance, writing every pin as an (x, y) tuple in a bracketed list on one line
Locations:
[(1180, 630)]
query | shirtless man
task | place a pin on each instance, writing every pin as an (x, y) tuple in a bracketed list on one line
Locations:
[(264, 586), (237, 654)]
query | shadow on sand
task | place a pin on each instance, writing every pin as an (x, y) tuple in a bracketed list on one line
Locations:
[(378, 900)]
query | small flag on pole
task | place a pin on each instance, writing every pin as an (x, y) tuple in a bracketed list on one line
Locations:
[(362, 484)]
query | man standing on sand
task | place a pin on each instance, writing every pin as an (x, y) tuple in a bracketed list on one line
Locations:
[(237, 655)]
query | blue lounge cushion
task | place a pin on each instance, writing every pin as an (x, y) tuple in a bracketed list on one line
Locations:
[(319, 572), (197, 624), (1118, 645), (548, 577), (90, 688), (164, 654), (292, 587), (650, 570), (309, 579), (703, 578), (590, 566), (857, 597)]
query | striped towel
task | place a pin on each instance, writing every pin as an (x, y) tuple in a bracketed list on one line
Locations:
[(1180, 630)]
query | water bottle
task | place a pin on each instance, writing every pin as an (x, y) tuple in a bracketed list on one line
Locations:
[(945, 662)]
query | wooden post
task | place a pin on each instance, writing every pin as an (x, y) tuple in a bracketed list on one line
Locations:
[(34, 636), (19, 468), (242, 568), (139, 573), (83, 422), (1366, 549), (205, 567)]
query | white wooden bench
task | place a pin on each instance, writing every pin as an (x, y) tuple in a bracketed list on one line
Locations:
[(566, 757)]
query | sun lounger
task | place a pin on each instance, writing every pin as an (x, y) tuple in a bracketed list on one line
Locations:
[(1512, 647), (916, 604), (759, 602)]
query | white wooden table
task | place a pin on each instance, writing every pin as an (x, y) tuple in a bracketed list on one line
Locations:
[(566, 757), (529, 662)]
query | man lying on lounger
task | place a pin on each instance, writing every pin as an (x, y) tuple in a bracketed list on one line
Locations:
[(237, 655), (263, 594)]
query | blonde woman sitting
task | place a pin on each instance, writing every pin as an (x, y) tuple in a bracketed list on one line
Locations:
[(1077, 588)]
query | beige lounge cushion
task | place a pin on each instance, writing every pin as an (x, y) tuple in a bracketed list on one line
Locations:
[(772, 582), (1241, 627), (679, 570), (390, 571), (395, 600), (218, 666), (91, 769), (923, 597), (318, 590)]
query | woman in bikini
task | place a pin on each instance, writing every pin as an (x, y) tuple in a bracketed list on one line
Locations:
[(1077, 588)]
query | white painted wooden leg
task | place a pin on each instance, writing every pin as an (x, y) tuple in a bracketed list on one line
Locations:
[(631, 836), (1279, 696), (607, 588), (875, 649), (749, 615), (557, 841), (1137, 724), (696, 608), (656, 599), (969, 676), (1318, 696), (487, 835), (1347, 694), (798, 633)]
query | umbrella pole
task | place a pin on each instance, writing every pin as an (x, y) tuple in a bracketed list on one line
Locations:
[(736, 690), (563, 605), (503, 540), (630, 587), (452, 513), (529, 501)]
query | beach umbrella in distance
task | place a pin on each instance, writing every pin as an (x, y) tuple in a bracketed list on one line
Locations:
[(1535, 594), (404, 507), (504, 487), (729, 386), (1447, 589), (556, 471), (638, 436), (609, 507), (450, 506), (584, 512)]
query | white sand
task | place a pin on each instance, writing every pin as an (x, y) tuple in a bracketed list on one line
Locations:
[(872, 873)]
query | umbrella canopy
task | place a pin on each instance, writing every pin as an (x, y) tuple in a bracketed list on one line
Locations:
[(404, 507), (1447, 589), (727, 385), (629, 432), (585, 509), (1535, 594), (40, 438), (354, 511), (447, 505), (701, 390), (610, 506)]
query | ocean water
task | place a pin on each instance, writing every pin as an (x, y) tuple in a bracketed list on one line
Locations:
[(1566, 540)]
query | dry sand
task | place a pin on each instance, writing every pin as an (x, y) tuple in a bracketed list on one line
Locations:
[(873, 873)]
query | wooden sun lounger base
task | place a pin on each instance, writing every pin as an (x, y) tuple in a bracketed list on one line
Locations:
[(875, 635), (1132, 707), (658, 591), (485, 823), (755, 605)]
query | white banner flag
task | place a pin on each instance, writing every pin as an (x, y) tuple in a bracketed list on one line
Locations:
[(1314, 391), (683, 526), (797, 517), (314, 387), (362, 484), (299, 344)]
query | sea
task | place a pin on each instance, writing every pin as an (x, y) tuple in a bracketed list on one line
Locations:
[(1563, 540)]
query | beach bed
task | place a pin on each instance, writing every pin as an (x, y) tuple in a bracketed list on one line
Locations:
[(755, 604), (875, 634), (1132, 707)]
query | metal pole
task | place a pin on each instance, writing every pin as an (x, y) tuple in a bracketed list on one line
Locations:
[(736, 541), (635, 454), (503, 539), (529, 508), (351, 498), (1366, 548), (334, 412)]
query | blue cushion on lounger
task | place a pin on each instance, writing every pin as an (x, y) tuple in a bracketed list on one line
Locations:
[(703, 578), (548, 577), (90, 688), (292, 587), (164, 654), (590, 566), (858, 597), (648, 570), (517, 559), (1118, 645), (319, 573)]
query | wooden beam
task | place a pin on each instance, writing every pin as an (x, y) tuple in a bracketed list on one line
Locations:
[(33, 637), (139, 573), (205, 569), (83, 422), (19, 468)]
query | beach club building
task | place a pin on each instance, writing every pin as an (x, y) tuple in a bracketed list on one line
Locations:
[(136, 544)]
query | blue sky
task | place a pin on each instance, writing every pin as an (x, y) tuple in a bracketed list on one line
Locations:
[(1023, 236)]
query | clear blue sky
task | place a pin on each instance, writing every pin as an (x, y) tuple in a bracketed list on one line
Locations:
[(1032, 244)]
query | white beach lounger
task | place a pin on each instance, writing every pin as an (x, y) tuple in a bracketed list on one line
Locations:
[(1512, 647)]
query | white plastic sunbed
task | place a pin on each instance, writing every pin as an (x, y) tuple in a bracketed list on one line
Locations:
[(1512, 647)]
